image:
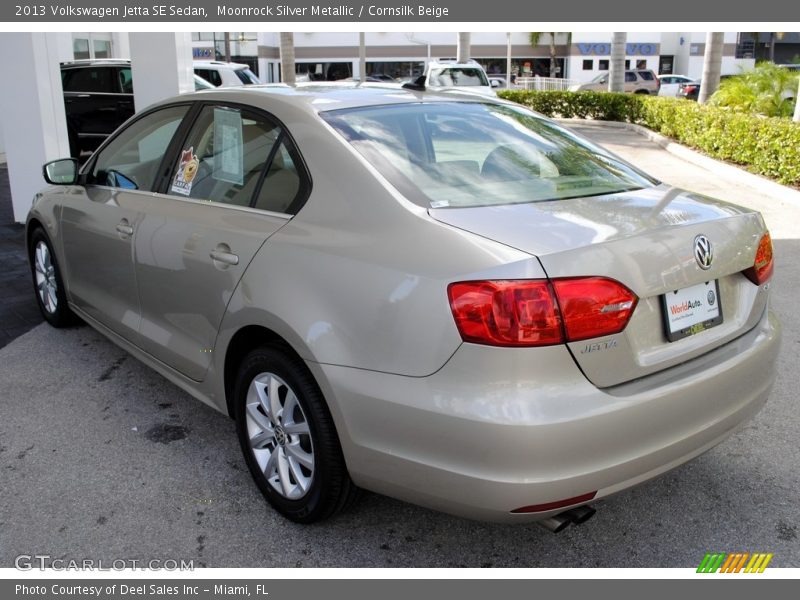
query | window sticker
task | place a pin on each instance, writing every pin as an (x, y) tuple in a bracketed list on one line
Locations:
[(187, 170), (228, 146)]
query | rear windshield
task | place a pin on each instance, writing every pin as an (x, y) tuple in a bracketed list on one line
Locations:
[(457, 76), (448, 154), (246, 76)]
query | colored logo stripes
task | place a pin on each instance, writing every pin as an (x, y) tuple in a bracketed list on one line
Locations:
[(735, 562)]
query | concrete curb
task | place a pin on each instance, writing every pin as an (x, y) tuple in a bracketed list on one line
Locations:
[(730, 172)]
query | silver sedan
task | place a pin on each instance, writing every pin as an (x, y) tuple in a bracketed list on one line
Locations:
[(444, 298)]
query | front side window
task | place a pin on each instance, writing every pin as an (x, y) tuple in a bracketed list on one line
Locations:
[(131, 159), (458, 76), (630, 77), (448, 154)]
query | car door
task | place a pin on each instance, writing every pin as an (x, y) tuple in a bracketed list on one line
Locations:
[(631, 82), (99, 220), (236, 180)]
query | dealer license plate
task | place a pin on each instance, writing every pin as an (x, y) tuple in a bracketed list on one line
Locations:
[(691, 310)]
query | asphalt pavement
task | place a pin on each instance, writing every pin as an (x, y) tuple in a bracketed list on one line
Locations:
[(102, 458), (18, 312)]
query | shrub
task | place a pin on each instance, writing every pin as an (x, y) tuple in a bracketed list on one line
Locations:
[(768, 90), (768, 146)]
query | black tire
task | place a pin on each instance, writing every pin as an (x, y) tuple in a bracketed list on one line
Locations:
[(642, 92), (330, 489), (57, 313)]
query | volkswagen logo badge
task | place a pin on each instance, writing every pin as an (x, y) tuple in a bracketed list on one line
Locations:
[(703, 252)]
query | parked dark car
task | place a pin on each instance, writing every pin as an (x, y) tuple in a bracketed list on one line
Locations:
[(98, 98), (691, 90)]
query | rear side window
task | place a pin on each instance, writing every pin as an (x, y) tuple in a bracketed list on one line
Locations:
[(239, 157), (90, 79), (458, 77), (283, 183), (647, 75), (125, 80), (210, 75), (246, 76)]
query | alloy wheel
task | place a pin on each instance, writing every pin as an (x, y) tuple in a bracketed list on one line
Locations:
[(279, 436), (46, 284)]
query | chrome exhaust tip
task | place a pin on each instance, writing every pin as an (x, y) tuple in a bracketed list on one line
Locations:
[(579, 514), (555, 523)]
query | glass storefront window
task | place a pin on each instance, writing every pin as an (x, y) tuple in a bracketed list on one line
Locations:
[(102, 48), (80, 48)]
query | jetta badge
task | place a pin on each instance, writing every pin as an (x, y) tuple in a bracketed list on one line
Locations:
[(703, 252)]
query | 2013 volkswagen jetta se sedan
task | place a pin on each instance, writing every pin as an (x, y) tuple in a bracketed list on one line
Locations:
[(443, 298)]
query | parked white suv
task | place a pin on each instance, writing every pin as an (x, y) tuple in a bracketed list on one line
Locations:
[(224, 74), (466, 77)]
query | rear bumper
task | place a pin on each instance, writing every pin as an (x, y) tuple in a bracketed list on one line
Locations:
[(498, 429)]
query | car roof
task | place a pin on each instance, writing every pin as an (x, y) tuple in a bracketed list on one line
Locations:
[(89, 62), (218, 64), (318, 97)]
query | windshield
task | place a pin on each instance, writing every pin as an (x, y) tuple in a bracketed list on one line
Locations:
[(448, 154), (599, 78), (460, 76), (246, 76)]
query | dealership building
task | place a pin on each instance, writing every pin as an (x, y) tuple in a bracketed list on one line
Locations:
[(35, 121), (580, 56)]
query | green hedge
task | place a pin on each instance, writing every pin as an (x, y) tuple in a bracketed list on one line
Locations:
[(767, 146)]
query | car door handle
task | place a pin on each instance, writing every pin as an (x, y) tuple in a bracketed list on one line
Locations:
[(124, 228), (224, 257)]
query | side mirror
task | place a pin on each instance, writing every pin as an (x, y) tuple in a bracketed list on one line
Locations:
[(495, 83), (63, 171)]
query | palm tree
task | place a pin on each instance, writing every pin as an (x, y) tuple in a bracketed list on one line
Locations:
[(535, 38), (287, 58), (616, 72), (712, 65), (463, 49), (362, 56)]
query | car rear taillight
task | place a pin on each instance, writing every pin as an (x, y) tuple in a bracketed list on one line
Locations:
[(539, 312), (506, 313), (593, 306), (764, 265)]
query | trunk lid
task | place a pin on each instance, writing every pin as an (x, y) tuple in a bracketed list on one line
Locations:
[(645, 240)]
